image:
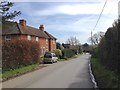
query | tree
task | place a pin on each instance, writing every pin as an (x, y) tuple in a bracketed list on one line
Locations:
[(95, 39), (5, 11), (73, 41)]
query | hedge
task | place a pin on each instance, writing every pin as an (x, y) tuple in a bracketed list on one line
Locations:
[(67, 53), (58, 53), (19, 53)]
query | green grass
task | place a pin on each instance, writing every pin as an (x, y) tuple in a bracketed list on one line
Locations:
[(12, 73), (104, 77)]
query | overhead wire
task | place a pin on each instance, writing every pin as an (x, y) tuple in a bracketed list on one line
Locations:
[(98, 19), (100, 15)]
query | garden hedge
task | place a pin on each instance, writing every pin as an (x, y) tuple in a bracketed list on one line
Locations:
[(19, 53)]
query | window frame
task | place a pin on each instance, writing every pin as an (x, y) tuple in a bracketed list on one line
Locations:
[(6, 37), (37, 39), (47, 40), (29, 37)]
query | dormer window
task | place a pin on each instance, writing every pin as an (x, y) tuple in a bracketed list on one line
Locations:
[(8, 37)]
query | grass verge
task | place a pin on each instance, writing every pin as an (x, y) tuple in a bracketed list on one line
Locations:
[(19, 71), (104, 77)]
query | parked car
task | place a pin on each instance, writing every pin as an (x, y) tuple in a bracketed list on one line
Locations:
[(50, 58)]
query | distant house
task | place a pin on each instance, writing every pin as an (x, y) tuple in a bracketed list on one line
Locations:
[(21, 31), (66, 45)]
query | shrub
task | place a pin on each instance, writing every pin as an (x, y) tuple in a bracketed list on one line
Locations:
[(67, 53), (19, 53), (58, 53)]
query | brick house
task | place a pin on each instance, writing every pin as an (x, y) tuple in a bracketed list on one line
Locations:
[(21, 31)]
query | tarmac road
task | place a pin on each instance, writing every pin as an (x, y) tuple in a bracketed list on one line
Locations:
[(67, 74)]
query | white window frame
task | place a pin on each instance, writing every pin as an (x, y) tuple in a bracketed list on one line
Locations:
[(37, 39), (29, 37), (7, 37), (46, 41)]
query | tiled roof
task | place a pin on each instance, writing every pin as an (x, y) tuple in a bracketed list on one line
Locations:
[(10, 28), (49, 35), (32, 31), (15, 28)]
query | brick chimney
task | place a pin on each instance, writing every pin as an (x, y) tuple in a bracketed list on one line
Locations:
[(41, 27), (22, 22)]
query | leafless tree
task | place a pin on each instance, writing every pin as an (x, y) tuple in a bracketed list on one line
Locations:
[(73, 41), (95, 39)]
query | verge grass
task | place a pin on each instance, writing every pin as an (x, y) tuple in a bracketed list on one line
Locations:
[(104, 77), (18, 71)]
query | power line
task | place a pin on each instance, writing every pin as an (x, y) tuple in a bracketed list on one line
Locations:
[(100, 15), (98, 20)]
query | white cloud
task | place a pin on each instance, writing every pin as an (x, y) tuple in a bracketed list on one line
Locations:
[(56, 0), (77, 9), (82, 25)]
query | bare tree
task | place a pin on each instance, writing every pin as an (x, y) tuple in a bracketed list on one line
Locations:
[(95, 39), (73, 41)]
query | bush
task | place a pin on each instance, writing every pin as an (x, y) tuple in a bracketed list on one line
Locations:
[(67, 53), (19, 53), (58, 53), (94, 53)]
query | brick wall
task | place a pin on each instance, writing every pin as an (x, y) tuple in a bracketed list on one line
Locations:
[(13, 37), (44, 46), (52, 45)]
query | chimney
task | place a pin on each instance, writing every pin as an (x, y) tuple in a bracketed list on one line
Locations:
[(22, 22), (41, 27)]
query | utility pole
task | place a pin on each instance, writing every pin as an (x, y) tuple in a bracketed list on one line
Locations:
[(91, 38)]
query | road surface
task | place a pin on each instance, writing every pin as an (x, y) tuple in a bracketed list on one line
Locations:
[(68, 74)]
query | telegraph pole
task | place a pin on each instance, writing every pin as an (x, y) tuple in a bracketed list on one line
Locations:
[(91, 38)]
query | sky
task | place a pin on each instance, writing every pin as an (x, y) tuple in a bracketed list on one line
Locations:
[(66, 18)]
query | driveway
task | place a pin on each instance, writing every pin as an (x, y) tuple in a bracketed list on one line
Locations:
[(68, 74)]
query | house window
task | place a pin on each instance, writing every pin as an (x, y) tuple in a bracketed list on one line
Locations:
[(8, 37), (37, 39), (46, 41), (29, 37)]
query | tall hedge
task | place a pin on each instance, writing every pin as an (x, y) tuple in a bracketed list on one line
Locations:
[(19, 53), (108, 49), (108, 52)]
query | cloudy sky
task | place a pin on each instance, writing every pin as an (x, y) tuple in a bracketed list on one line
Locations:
[(65, 18)]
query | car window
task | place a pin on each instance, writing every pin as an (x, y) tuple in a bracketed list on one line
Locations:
[(54, 55), (48, 56)]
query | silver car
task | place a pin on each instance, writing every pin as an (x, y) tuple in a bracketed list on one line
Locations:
[(50, 58)]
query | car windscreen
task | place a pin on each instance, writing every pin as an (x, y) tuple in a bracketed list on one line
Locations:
[(47, 56)]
